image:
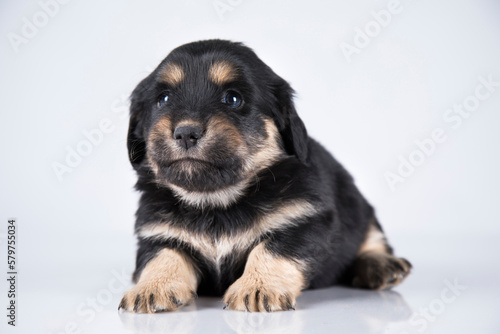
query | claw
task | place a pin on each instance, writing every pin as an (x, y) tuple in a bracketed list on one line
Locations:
[(136, 303), (266, 304), (246, 303), (151, 301), (175, 301), (122, 304), (257, 293)]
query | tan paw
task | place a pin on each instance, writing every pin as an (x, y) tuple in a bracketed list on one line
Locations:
[(158, 295), (242, 296), (269, 283)]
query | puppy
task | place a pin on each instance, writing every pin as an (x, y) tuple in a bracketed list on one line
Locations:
[(236, 199)]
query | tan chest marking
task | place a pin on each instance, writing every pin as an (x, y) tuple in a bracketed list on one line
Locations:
[(216, 249)]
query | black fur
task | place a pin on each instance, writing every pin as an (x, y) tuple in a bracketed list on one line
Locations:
[(328, 241)]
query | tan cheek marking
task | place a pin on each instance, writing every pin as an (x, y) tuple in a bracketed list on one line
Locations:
[(222, 72), (220, 128), (172, 74), (167, 282), (269, 283), (375, 241), (160, 132), (270, 151)]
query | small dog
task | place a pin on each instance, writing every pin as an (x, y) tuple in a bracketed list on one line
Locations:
[(236, 199)]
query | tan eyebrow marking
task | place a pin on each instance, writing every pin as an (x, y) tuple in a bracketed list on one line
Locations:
[(222, 72), (172, 74)]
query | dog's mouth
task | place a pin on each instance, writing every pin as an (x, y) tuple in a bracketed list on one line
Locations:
[(189, 161), (194, 174)]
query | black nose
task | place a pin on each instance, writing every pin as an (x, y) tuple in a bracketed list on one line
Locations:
[(187, 136)]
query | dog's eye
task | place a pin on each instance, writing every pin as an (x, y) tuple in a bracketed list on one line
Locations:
[(232, 99), (162, 99)]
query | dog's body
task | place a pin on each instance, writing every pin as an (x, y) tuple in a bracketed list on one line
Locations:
[(236, 198)]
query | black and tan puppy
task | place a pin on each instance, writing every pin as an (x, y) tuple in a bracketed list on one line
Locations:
[(237, 200)]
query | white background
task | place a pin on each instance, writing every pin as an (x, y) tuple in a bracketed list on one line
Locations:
[(82, 63)]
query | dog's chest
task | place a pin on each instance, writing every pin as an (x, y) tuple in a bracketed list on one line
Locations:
[(213, 249), (217, 249)]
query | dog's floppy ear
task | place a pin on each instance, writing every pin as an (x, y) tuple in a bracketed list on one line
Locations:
[(136, 143), (292, 129)]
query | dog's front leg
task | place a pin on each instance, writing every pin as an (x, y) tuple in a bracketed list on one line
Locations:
[(269, 283), (167, 282)]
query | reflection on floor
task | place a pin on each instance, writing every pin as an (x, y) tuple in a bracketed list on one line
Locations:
[(356, 311)]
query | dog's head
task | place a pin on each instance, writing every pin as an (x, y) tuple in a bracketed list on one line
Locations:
[(209, 118)]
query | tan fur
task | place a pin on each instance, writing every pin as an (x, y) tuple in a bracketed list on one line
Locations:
[(222, 72), (221, 198), (216, 250), (170, 277), (269, 283), (219, 128), (258, 154), (172, 74), (375, 241), (161, 130), (188, 122), (268, 152)]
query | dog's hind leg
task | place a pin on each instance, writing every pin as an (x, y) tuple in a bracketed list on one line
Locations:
[(375, 266)]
